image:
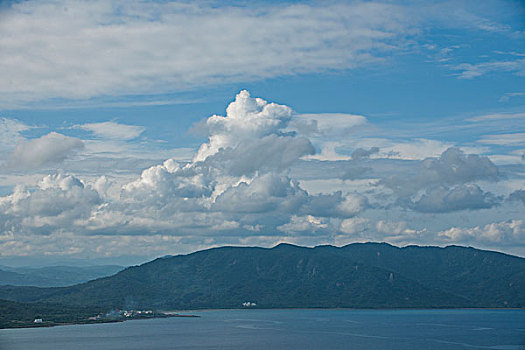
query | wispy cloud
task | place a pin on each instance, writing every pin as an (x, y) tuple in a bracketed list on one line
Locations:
[(504, 139), (506, 97), (497, 116), (158, 48), (474, 70), (139, 47), (112, 130), (10, 132)]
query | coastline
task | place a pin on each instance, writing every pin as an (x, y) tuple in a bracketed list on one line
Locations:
[(86, 322), (348, 308), (190, 314)]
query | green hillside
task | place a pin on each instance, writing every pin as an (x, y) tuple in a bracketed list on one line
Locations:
[(369, 275), (14, 315)]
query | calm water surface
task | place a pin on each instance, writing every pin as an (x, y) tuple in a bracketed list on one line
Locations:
[(289, 329)]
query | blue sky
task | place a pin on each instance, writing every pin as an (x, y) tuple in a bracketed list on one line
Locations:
[(387, 121)]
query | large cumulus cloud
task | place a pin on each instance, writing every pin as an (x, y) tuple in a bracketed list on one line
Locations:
[(251, 138), (442, 199), (445, 183), (237, 183), (450, 168), (254, 182), (56, 204)]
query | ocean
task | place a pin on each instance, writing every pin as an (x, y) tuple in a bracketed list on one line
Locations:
[(289, 329)]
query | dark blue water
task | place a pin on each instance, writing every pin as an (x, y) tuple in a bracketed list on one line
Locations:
[(289, 329)]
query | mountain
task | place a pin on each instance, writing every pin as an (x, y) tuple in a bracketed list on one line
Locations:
[(54, 276), (368, 275)]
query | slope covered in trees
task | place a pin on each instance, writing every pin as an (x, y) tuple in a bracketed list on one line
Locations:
[(369, 275)]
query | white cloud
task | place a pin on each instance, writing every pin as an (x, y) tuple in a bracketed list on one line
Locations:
[(455, 15), (250, 138), (354, 226), (140, 47), (442, 199), (414, 149), (505, 232), (507, 159), (452, 167), (112, 130), (357, 144), (335, 204), (351, 205), (55, 204), (506, 97), (266, 193), (326, 124), (474, 70), (397, 231), (10, 132), (307, 224), (240, 184), (324, 128), (341, 147), (503, 139), (445, 183), (236, 182), (361, 153), (518, 195), (497, 116), (46, 150), (329, 152), (391, 227), (246, 119)]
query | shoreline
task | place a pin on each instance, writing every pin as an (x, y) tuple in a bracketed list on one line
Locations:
[(178, 314), (349, 308), (91, 322)]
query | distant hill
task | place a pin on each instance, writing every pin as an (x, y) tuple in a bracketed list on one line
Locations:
[(54, 276), (368, 275), (14, 315)]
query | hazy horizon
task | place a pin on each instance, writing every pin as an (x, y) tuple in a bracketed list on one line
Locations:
[(126, 261)]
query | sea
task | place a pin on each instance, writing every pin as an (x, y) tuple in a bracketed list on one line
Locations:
[(288, 329)]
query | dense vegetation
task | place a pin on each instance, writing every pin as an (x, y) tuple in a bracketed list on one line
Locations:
[(369, 275), (13, 314)]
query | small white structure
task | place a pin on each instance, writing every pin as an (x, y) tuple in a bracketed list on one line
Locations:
[(248, 304), (38, 320)]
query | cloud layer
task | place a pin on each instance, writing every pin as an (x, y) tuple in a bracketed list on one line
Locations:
[(253, 181), (137, 47), (237, 182)]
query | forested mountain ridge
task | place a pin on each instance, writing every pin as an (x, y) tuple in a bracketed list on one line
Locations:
[(364, 275)]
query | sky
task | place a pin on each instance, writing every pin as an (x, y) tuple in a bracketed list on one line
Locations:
[(131, 129)]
